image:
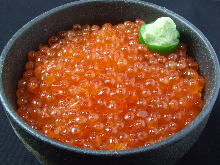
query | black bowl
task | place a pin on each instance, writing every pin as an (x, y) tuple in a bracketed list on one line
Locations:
[(38, 30)]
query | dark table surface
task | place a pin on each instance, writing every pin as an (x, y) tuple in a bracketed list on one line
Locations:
[(204, 14)]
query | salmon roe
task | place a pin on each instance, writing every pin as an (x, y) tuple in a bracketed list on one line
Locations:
[(98, 88)]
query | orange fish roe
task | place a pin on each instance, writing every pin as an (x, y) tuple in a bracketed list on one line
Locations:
[(99, 88)]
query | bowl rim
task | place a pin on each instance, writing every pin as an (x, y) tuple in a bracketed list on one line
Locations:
[(173, 139)]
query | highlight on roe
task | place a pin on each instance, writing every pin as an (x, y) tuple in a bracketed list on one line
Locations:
[(98, 88)]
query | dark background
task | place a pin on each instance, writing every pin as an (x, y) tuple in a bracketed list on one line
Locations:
[(204, 14)]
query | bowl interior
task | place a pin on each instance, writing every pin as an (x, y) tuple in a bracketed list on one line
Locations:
[(98, 12)]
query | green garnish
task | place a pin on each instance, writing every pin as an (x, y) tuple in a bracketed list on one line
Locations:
[(160, 36)]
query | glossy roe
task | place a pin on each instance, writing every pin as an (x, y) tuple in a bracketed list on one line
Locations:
[(99, 88)]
